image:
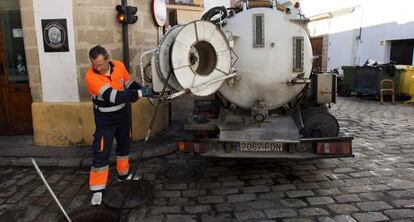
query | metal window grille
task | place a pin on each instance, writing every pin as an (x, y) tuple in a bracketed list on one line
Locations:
[(298, 53)]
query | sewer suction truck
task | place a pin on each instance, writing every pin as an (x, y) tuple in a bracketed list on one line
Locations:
[(249, 71)]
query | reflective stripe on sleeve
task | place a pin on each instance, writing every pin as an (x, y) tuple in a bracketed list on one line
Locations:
[(139, 93), (98, 98), (128, 83), (103, 89), (111, 109), (113, 96)]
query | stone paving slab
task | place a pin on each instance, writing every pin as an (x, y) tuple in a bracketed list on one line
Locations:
[(375, 185)]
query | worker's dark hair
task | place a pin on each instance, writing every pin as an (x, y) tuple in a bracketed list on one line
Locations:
[(98, 50)]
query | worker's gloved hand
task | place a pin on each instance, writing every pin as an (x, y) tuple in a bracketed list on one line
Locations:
[(146, 91)]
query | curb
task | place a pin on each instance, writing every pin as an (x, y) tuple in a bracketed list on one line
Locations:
[(85, 161)]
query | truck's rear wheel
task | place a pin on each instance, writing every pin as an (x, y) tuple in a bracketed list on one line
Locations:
[(318, 123)]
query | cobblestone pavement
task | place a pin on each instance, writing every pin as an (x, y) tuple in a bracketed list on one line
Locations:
[(376, 185)]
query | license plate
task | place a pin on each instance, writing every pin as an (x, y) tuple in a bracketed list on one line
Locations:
[(261, 147)]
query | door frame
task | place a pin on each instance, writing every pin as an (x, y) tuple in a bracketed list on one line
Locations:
[(8, 125), (324, 52)]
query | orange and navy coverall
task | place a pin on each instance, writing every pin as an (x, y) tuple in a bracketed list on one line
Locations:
[(111, 95)]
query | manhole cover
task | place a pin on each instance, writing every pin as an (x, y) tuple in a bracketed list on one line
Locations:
[(129, 194), (182, 173), (93, 214)]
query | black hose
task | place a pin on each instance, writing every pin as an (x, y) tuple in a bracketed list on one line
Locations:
[(213, 12), (141, 154)]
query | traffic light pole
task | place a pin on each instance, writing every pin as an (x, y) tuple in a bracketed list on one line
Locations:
[(125, 40), (125, 55)]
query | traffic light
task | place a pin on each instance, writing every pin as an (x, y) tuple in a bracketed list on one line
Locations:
[(126, 14), (131, 12), (121, 17)]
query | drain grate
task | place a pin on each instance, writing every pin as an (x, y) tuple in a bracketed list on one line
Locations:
[(182, 173), (129, 194)]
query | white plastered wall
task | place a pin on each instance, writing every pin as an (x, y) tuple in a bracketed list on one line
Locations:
[(57, 69), (365, 33)]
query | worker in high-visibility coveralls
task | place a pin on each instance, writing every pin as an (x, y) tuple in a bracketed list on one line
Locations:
[(112, 89)]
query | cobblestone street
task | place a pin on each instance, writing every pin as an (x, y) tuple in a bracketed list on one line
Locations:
[(376, 185)]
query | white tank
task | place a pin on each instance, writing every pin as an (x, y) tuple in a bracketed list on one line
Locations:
[(267, 49), (266, 70)]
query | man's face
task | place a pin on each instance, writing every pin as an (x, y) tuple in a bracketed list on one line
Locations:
[(100, 64)]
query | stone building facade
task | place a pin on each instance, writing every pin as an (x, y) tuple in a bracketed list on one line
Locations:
[(42, 87), (62, 109)]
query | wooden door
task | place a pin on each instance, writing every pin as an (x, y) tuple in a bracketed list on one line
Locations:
[(15, 96), (317, 48)]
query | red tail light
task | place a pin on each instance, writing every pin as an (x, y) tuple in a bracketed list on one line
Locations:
[(334, 148), (191, 147)]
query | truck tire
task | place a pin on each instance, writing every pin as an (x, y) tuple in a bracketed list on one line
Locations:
[(319, 123)]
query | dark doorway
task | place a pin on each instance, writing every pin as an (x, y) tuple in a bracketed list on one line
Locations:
[(317, 48), (15, 96), (402, 51)]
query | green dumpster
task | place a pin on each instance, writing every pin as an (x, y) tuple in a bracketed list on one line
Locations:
[(348, 81), (366, 80)]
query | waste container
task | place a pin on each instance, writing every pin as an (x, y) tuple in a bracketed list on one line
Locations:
[(411, 90), (407, 82), (406, 79), (367, 78), (347, 85)]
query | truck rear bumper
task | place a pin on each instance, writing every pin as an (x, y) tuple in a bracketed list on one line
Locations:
[(306, 149)]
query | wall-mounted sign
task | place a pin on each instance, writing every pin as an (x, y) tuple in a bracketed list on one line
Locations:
[(159, 12), (55, 35)]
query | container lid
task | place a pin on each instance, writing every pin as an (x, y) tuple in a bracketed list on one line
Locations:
[(201, 54)]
